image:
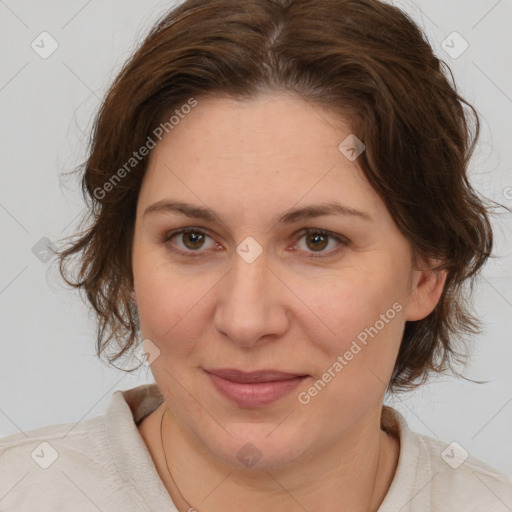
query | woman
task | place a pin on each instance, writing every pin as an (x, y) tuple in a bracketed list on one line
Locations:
[(280, 210)]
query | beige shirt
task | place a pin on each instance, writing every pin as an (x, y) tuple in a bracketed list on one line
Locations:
[(103, 464)]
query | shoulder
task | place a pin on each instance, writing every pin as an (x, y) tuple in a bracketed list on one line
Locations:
[(43, 463), (50, 468), (441, 476), (458, 478), (42, 447)]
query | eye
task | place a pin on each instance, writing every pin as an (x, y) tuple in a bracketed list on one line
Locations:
[(318, 239), (192, 239)]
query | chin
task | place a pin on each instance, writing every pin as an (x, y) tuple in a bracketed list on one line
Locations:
[(258, 446)]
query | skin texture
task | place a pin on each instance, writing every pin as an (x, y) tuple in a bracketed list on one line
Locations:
[(250, 162)]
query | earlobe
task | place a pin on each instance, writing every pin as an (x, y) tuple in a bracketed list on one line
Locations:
[(428, 287)]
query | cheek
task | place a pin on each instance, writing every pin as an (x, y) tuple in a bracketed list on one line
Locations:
[(361, 329), (344, 305), (358, 317), (171, 303)]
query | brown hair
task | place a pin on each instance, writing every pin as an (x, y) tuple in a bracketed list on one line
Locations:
[(362, 58)]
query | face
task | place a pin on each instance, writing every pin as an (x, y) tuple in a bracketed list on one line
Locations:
[(253, 287)]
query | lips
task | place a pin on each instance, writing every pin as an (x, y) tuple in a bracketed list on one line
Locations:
[(234, 375), (254, 389)]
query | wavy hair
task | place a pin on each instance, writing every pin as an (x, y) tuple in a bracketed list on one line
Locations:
[(363, 59)]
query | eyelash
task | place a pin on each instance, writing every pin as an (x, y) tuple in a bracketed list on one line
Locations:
[(306, 231)]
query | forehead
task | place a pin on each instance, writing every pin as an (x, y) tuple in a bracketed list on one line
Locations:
[(271, 124), (272, 151)]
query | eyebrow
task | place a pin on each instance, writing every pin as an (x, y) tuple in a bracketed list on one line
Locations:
[(295, 215)]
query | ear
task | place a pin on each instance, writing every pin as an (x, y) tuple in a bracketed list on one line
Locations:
[(427, 287), (134, 297)]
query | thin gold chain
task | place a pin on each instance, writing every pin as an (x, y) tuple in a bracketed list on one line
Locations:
[(167, 464)]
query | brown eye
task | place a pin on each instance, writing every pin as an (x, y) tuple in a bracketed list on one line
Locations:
[(317, 241), (189, 241), (193, 240)]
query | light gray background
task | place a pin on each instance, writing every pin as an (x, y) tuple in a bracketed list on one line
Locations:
[(48, 370)]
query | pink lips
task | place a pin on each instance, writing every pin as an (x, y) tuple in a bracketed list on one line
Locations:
[(254, 389)]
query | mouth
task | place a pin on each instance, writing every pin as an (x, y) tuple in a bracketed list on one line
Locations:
[(256, 388)]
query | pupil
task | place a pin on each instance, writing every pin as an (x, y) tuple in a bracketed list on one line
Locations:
[(318, 237), (196, 239)]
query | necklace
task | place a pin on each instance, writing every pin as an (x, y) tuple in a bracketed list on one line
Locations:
[(191, 508)]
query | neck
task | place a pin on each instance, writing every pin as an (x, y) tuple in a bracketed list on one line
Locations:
[(354, 474)]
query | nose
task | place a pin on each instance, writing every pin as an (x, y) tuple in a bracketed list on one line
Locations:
[(252, 303)]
